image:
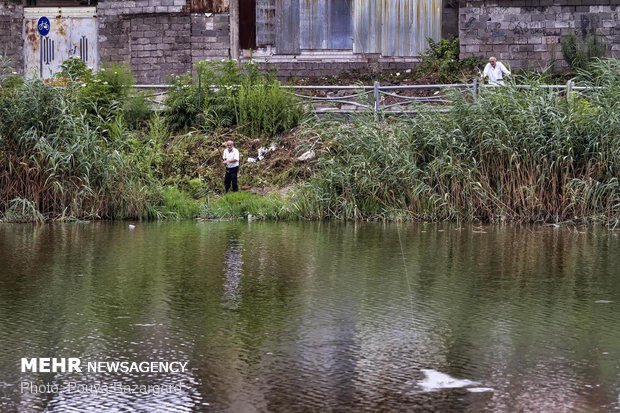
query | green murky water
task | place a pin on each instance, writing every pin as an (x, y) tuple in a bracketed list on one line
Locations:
[(313, 317)]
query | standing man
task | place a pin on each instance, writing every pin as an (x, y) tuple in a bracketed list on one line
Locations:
[(495, 71), (231, 160)]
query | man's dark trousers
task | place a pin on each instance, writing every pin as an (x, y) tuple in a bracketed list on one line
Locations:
[(231, 178)]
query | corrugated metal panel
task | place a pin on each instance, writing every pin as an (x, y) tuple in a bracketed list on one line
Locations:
[(313, 21), (340, 29), (287, 26), (326, 24), (367, 15), (395, 27), (265, 22)]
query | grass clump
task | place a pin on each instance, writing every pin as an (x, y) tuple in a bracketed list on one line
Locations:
[(178, 205), (223, 96), (248, 205), (578, 52)]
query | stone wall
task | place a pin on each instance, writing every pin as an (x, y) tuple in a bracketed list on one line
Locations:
[(450, 19), (159, 38), (527, 33), (11, 43)]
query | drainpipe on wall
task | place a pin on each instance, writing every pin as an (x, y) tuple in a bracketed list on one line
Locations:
[(234, 29)]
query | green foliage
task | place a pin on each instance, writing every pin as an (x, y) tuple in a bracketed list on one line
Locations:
[(578, 53), (52, 157), (136, 111), (243, 204), (443, 58), (6, 66), (105, 95), (178, 205), (266, 109), (75, 69), (21, 210), (511, 155), (222, 96), (9, 83), (183, 104)]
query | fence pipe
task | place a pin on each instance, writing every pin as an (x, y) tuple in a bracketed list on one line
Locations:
[(475, 88), (377, 100)]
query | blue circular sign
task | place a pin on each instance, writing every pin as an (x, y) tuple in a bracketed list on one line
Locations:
[(43, 26)]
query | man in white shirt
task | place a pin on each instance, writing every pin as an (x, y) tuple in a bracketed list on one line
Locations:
[(495, 71), (231, 160)]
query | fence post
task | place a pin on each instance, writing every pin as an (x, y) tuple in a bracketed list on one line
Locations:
[(569, 89), (475, 88), (377, 100)]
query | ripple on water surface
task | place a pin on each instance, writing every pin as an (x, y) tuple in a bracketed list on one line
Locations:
[(314, 317)]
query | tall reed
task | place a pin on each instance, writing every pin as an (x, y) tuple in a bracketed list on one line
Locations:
[(53, 159), (511, 155)]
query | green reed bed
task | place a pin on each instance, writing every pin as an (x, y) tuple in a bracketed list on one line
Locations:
[(57, 161), (529, 155)]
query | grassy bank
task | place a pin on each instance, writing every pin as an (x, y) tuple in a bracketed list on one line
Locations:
[(84, 146), (527, 155)]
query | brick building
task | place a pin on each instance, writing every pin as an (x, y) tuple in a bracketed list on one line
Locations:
[(299, 37)]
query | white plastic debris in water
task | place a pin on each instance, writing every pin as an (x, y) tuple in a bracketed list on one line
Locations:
[(251, 160), (436, 380), (306, 156), (131, 226), (479, 389), (603, 302)]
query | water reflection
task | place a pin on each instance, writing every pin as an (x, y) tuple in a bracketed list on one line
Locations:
[(325, 317), (233, 260)]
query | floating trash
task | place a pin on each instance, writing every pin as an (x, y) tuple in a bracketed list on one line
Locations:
[(436, 380), (479, 389)]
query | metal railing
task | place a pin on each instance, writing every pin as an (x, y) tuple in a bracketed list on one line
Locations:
[(388, 99)]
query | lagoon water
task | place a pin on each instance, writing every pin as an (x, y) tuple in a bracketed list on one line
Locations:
[(313, 317)]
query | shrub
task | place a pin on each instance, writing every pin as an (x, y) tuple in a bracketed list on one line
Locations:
[(578, 53), (266, 109), (104, 96), (178, 205), (184, 104), (75, 69), (443, 58), (222, 95), (136, 111)]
